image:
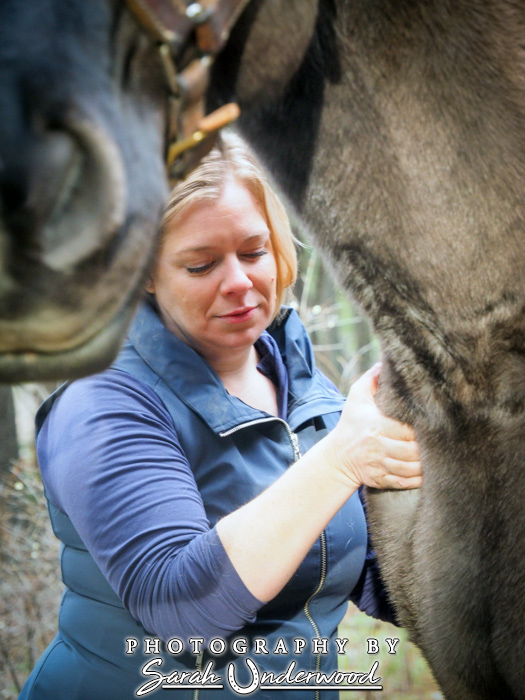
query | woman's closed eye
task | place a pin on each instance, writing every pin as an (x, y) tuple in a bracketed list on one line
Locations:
[(200, 269), (255, 254)]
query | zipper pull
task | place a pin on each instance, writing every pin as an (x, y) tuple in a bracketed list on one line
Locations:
[(295, 445)]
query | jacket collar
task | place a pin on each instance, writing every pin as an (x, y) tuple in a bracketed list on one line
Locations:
[(190, 377)]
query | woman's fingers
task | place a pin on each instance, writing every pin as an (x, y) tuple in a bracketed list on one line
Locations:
[(401, 450), (394, 429), (401, 468), (391, 481), (391, 464), (361, 406), (371, 448), (404, 477)]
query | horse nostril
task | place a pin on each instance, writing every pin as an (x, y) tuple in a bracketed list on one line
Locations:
[(72, 201), (34, 183), (57, 164), (12, 196)]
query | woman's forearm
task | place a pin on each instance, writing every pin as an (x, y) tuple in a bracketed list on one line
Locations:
[(267, 539)]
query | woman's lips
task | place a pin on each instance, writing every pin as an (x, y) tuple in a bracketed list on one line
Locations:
[(239, 315)]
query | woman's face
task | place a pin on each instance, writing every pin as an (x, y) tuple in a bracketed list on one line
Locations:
[(215, 276)]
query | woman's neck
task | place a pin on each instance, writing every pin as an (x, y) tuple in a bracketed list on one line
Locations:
[(242, 379), (234, 363)]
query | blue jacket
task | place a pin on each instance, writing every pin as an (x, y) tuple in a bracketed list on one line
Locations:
[(234, 452)]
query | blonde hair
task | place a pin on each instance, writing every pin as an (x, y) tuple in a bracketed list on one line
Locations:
[(232, 158)]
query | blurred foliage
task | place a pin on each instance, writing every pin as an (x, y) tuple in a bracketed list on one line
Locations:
[(8, 441), (30, 586), (29, 576), (343, 341), (404, 675)]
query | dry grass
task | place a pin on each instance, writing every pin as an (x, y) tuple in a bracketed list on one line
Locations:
[(404, 675), (30, 586)]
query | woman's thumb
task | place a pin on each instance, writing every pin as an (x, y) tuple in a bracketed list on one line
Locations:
[(366, 385)]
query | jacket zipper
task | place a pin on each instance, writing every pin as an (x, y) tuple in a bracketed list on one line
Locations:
[(198, 667), (322, 538), (297, 453), (291, 435)]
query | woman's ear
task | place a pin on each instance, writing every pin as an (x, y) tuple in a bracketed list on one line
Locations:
[(150, 285)]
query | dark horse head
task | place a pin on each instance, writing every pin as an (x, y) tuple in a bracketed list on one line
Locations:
[(82, 181), (85, 113)]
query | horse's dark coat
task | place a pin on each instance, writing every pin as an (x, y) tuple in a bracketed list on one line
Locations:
[(397, 132), (277, 123)]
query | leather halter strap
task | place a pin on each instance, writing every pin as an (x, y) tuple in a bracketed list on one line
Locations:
[(189, 35)]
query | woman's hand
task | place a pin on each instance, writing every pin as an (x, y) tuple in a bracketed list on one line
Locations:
[(369, 448)]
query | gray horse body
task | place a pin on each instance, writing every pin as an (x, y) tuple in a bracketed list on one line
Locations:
[(414, 150), (396, 131)]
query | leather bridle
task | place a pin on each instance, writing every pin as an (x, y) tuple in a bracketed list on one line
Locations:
[(189, 35)]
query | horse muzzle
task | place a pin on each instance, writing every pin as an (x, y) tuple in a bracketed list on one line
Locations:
[(72, 259)]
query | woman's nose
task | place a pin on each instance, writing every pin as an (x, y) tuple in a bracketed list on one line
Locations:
[(236, 279)]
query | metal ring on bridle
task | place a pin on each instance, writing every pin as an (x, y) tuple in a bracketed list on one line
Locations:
[(201, 29)]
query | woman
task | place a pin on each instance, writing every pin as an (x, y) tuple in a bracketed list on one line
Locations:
[(206, 486)]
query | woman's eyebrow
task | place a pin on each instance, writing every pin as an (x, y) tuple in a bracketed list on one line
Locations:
[(194, 249)]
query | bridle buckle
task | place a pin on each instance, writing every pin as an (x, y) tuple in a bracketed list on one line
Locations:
[(192, 34)]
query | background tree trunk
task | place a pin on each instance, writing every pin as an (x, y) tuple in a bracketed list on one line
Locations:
[(8, 437)]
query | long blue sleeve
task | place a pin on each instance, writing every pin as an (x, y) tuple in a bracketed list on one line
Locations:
[(370, 594), (111, 460)]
